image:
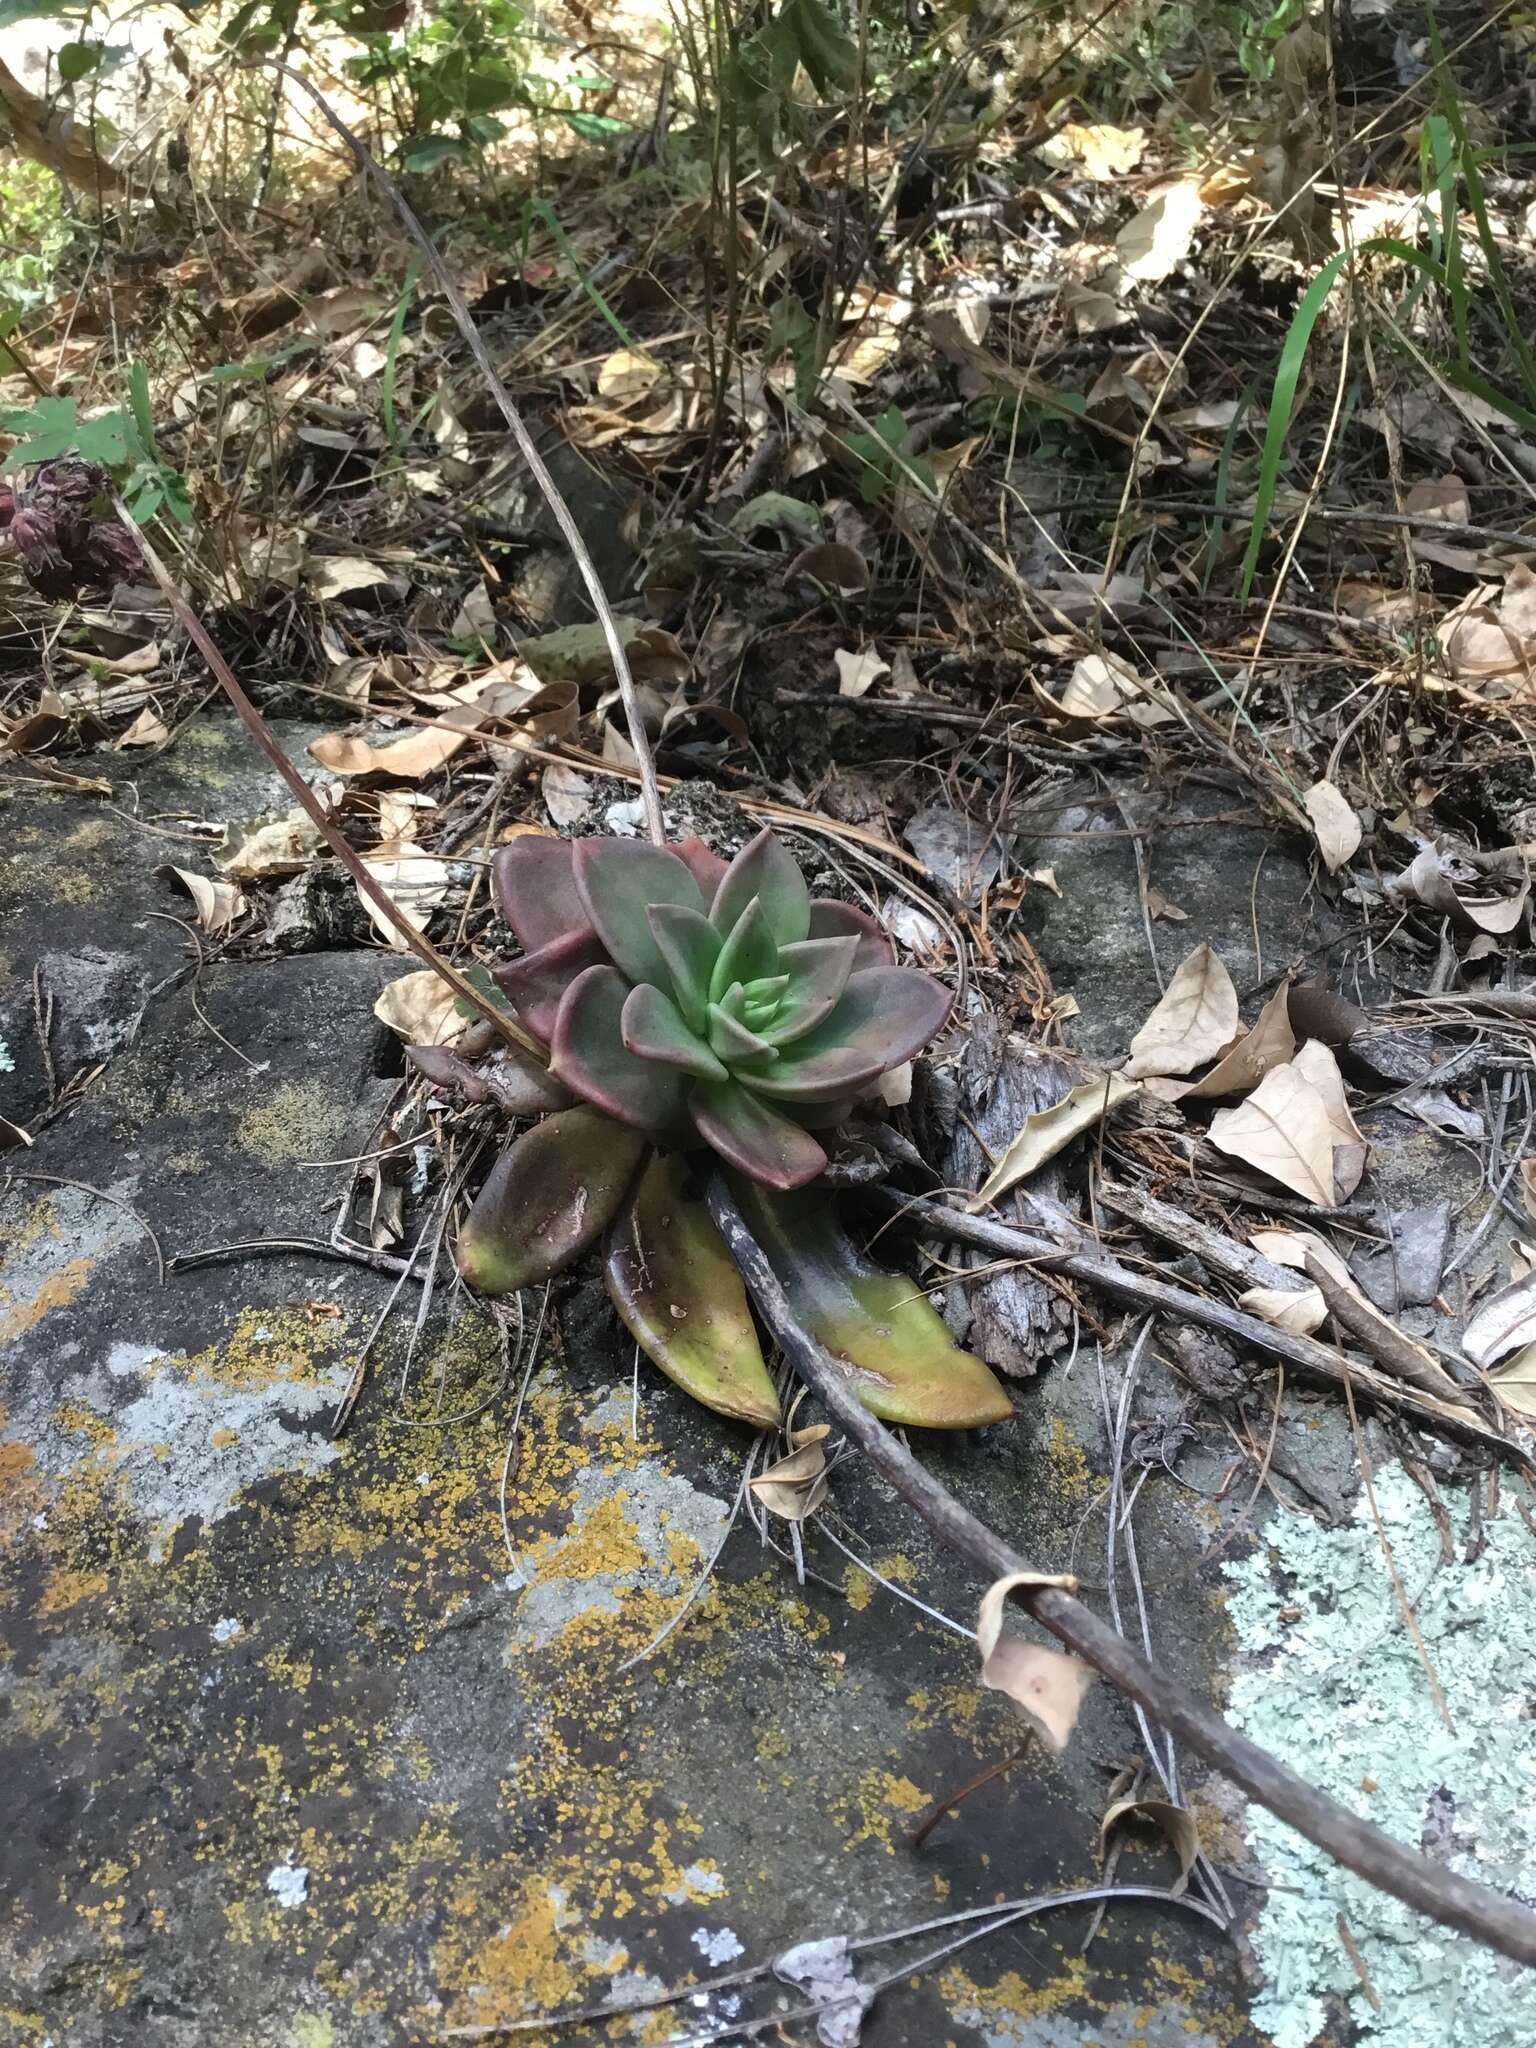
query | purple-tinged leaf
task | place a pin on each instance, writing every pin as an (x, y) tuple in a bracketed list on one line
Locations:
[(653, 1028), (818, 971), (764, 868), (885, 1016), (535, 985), (902, 1362), (748, 954), (729, 1037), (619, 879), (536, 887), (587, 1053), (680, 1297), (448, 1071), (753, 1136), (833, 920), (511, 1078), (690, 946), (550, 1195), (706, 868)]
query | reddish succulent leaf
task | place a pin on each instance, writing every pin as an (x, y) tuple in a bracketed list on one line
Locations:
[(619, 880), (833, 920), (587, 1053), (535, 985), (885, 1016), (536, 887), (706, 868), (818, 972), (690, 945), (653, 1028), (680, 1297), (764, 868), (748, 953), (549, 1196), (903, 1364), (753, 1136), (449, 1071)]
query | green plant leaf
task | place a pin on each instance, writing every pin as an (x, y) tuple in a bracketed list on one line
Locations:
[(79, 60), (680, 1297), (549, 1196), (901, 1360)]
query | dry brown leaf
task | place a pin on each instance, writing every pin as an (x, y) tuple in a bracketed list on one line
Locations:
[(1046, 1684), (1176, 1822), (1515, 1383), (1335, 823), (149, 729), (1158, 905), (282, 846), (333, 576), (1195, 1021), (1505, 1323), (1282, 1130), (1292, 1249), (421, 753), (1298, 1311), (421, 1008), (833, 563), (1269, 1044), (1099, 686), (1473, 899), (12, 1134), (1047, 1131), (218, 903), (1158, 238), (628, 374), (797, 1485), (1315, 1063), (1492, 632), (567, 793), (1089, 311), (414, 881), (1105, 152), (1528, 1185), (858, 673), (1445, 499)]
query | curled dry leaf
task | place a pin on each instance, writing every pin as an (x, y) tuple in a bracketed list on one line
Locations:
[(279, 846), (422, 1009), (1473, 898), (149, 729), (219, 904), (1297, 1311), (1335, 824), (1269, 1044), (1282, 1130), (567, 794), (1506, 1322), (1195, 1021), (1515, 1383), (857, 673), (627, 374), (1442, 498), (1099, 686), (1105, 152), (1492, 632), (1316, 1063), (414, 881), (1046, 1132), (1047, 1684), (1293, 1248), (1157, 239), (832, 563), (12, 1135), (1176, 1822), (411, 759), (333, 576), (797, 1485)]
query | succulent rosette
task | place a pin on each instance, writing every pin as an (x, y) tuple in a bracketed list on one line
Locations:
[(690, 1003)]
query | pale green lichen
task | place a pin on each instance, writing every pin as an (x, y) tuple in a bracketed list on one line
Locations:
[(1330, 1679)]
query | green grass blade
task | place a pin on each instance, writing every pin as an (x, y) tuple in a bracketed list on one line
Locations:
[(1223, 487), (546, 213), (392, 350), (1282, 403)]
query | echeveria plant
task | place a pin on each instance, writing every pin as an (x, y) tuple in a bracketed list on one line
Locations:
[(703, 1003), (689, 1004)]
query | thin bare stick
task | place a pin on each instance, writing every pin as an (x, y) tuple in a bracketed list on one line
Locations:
[(1498, 1922), (639, 739)]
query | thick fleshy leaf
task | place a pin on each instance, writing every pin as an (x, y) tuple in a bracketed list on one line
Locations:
[(535, 984), (690, 946), (833, 920), (818, 971), (753, 1136), (760, 1001), (903, 1364), (680, 1297), (653, 1028), (511, 1078), (764, 868), (885, 1016), (732, 1039), (619, 879), (536, 887), (748, 954), (706, 868), (549, 1196), (587, 1053)]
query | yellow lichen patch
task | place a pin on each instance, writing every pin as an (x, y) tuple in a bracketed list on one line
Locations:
[(1011, 1998), (1073, 1474), (874, 1809), (858, 1587), (63, 1588), (299, 1120), (87, 837), (56, 1290), (265, 1347)]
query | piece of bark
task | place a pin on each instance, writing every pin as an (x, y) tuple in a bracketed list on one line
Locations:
[(1392, 1350), (1406, 1273), (1217, 1252), (1012, 1319)]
